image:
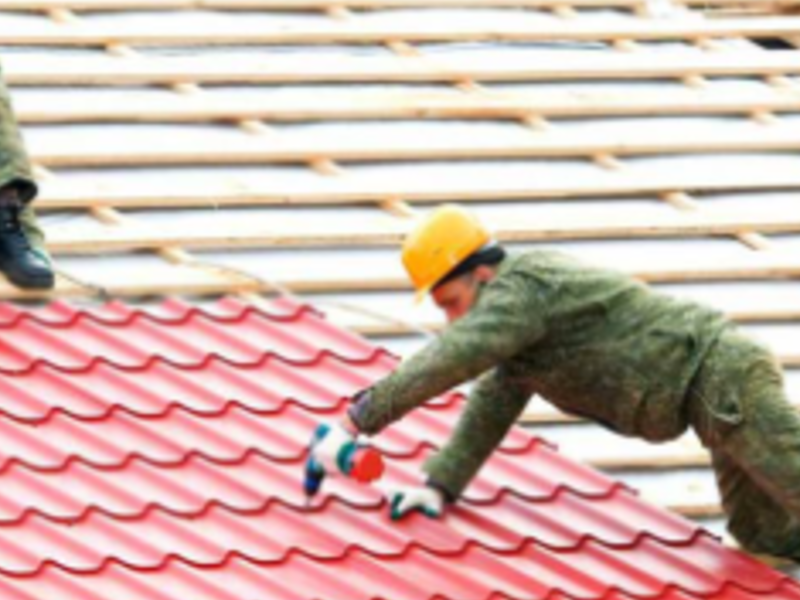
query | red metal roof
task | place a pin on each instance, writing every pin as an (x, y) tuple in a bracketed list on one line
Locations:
[(157, 455)]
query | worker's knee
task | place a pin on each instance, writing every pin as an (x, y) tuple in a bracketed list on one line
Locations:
[(740, 390)]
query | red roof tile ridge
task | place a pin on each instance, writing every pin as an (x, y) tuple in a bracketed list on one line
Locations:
[(670, 592), (66, 315), (174, 406), (372, 500), (443, 402), (559, 490), (525, 542), (784, 581), (132, 457), (211, 504), (156, 358), (257, 503), (92, 510), (70, 459), (214, 503), (766, 585)]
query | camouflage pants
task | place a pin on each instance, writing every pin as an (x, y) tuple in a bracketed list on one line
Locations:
[(15, 168), (740, 412)]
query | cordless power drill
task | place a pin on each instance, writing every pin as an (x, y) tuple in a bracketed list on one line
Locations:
[(358, 461)]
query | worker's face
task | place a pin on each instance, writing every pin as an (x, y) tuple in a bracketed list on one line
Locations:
[(455, 298)]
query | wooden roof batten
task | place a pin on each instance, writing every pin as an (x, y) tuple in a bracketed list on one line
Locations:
[(787, 102), (508, 106), (766, 6), (293, 5), (571, 66), (548, 146), (371, 33), (541, 229), (598, 188)]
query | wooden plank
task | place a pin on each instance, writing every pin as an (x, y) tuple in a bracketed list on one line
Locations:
[(294, 5), (694, 511), (198, 283), (320, 5), (347, 191), (767, 5), (532, 418), (89, 5), (755, 267), (573, 143), (63, 287), (755, 315), (651, 463), (391, 329), (182, 281), (163, 33), (173, 280), (404, 106), (392, 233), (566, 65), (790, 361)]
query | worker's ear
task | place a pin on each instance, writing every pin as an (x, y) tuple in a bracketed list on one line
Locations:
[(483, 274)]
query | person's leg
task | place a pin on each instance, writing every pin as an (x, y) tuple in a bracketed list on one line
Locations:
[(15, 168), (743, 415), (33, 231), (755, 519), (23, 256)]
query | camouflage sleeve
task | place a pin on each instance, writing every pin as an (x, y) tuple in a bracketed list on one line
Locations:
[(15, 168), (492, 408), (507, 318)]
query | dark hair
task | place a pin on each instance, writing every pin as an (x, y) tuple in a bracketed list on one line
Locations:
[(488, 256)]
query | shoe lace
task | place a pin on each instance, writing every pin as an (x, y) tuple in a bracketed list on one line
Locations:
[(11, 227)]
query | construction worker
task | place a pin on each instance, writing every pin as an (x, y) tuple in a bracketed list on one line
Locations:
[(23, 256), (595, 343)]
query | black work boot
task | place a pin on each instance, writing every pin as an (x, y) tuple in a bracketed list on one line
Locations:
[(19, 261)]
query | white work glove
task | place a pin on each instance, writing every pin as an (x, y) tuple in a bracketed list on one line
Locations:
[(328, 449), (422, 498)]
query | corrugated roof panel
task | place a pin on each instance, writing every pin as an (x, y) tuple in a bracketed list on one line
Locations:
[(474, 574), (274, 532), (75, 343), (225, 435), (156, 476)]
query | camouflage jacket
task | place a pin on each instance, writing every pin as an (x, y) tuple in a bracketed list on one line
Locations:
[(592, 341)]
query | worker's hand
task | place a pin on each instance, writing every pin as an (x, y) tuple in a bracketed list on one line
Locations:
[(422, 498), (330, 445), (359, 404)]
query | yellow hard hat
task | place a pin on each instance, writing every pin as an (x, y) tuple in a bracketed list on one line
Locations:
[(439, 243)]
